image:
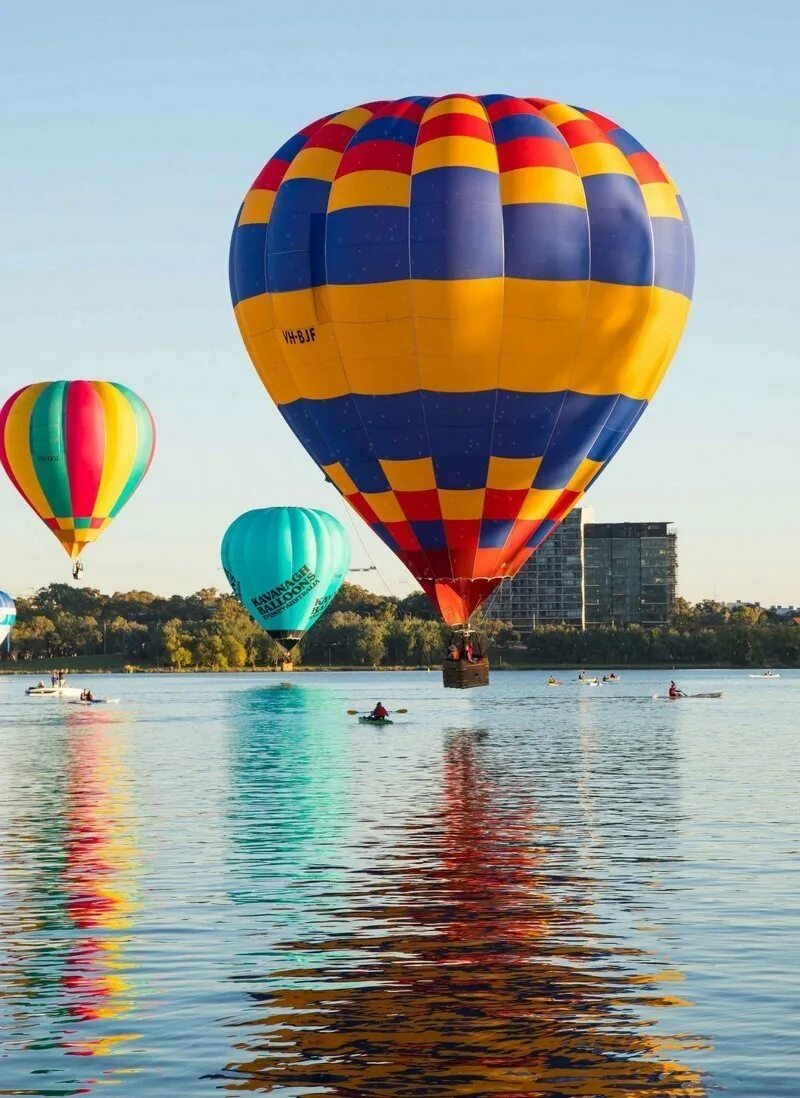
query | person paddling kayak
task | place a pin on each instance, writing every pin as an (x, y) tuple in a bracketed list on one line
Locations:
[(379, 713), (675, 691)]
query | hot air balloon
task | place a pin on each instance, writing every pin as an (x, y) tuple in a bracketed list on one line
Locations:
[(461, 307), (8, 616), (76, 451), (285, 564)]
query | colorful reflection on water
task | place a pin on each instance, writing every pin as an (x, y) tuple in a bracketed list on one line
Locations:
[(229, 886), (71, 901)]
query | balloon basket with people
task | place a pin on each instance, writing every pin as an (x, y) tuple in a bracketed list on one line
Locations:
[(466, 664)]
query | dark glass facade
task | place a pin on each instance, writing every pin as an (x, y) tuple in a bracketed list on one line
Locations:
[(593, 573), (548, 589), (630, 573)]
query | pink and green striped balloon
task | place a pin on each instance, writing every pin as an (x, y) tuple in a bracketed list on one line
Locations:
[(76, 451)]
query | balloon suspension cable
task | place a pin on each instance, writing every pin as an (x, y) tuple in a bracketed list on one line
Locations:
[(374, 567)]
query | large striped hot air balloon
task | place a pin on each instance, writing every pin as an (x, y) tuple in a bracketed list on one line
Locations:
[(76, 451), (461, 307)]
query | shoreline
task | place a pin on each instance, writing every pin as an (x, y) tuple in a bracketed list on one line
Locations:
[(72, 669)]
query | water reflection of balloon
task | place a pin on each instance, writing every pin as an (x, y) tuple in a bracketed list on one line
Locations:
[(8, 616), (79, 896), (76, 451), (461, 307), (285, 564), (470, 962)]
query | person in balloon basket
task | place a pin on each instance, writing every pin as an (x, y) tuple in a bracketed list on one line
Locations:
[(380, 712)]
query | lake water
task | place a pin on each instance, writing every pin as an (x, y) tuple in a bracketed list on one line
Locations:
[(223, 885)]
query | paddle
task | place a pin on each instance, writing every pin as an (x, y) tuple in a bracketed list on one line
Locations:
[(357, 712)]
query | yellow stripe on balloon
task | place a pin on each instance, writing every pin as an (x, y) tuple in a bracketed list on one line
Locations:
[(626, 339), (455, 104), (339, 476), (660, 200), (385, 506), (512, 474), (412, 475), (314, 164), (539, 503), (369, 188), (455, 152), (120, 424), (601, 158), (370, 301), (583, 474), (522, 185), (354, 117), (559, 113), (17, 446), (256, 322), (257, 207), (464, 504)]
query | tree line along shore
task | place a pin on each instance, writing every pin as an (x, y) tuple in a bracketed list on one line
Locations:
[(82, 628)]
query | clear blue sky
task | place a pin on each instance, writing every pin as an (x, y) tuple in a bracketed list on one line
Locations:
[(132, 131)]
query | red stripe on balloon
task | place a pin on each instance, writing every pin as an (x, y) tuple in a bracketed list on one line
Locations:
[(271, 175), (535, 152), (4, 414), (332, 136), (579, 131), (379, 155), (455, 125), (85, 433), (647, 168)]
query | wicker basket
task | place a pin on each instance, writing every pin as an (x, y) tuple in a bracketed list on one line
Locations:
[(461, 674)]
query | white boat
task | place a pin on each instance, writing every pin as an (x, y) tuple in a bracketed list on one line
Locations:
[(764, 675), (62, 691), (588, 682)]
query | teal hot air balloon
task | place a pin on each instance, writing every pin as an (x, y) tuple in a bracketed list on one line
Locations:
[(285, 564), (8, 615)]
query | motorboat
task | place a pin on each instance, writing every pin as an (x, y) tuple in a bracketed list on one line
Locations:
[(61, 690)]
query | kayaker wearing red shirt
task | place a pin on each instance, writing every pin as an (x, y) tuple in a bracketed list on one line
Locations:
[(379, 713), (674, 692)]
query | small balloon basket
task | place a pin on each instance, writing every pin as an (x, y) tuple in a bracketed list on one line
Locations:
[(465, 664), (460, 675), (286, 665)]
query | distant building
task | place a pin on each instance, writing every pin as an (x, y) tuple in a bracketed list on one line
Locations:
[(588, 573), (630, 573), (548, 589)]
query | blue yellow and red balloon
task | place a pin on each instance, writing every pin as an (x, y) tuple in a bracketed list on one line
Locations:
[(285, 564), (76, 451), (461, 307)]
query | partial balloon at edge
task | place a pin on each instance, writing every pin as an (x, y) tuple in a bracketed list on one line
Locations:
[(8, 617)]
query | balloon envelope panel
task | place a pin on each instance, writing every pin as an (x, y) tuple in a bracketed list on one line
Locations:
[(461, 307), (76, 451), (8, 615), (285, 564)]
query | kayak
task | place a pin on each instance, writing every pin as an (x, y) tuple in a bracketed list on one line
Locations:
[(53, 692), (588, 682), (553, 684), (374, 720), (95, 701), (684, 697), (764, 676)]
